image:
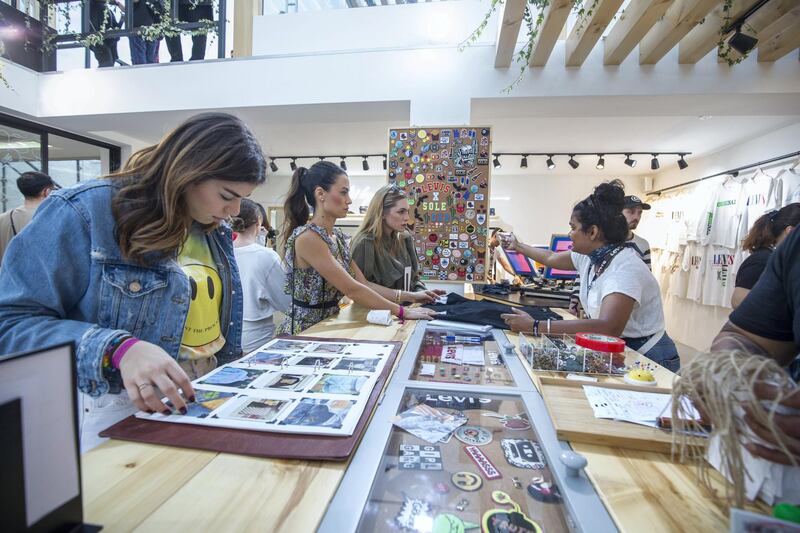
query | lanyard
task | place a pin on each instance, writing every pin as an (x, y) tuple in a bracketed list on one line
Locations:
[(603, 264)]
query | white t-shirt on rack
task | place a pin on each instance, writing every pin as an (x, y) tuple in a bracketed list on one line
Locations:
[(721, 224), (678, 277), (719, 278), (693, 267), (758, 197), (787, 187), (626, 274)]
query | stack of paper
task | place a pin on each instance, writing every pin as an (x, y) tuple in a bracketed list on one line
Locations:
[(643, 408)]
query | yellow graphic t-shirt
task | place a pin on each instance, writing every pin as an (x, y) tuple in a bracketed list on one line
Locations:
[(202, 335)]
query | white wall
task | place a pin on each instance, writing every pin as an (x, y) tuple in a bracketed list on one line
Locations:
[(689, 322), (20, 93)]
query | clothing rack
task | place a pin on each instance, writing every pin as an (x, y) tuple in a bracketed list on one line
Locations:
[(731, 171)]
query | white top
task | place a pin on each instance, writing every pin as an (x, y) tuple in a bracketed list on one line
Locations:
[(262, 282), (720, 225), (758, 197), (787, 187), (643, 247), (626, 274)]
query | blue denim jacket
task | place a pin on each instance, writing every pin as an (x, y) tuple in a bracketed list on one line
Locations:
[(64, 279)]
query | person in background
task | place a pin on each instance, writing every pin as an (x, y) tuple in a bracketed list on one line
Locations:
[(102, 18), (632, 210), (320, 270), (262, 278), (35, 188), (191, 11), (618, 293), (137, 271), (145, 13), (767, 232), (382, 247)]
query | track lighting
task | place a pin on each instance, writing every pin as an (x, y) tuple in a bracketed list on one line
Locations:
[(550, 164), (293, 164), (321, 157), (682, 164), (524, 162), (272, 166), (496, 161), (343, 164), (654, 162), (630, 162), (742, 43), (364, 163), (574, 164), (601, 163), (384, 162)]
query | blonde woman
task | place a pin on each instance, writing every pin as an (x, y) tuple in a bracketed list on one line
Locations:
[(138, 271), (383, 249)]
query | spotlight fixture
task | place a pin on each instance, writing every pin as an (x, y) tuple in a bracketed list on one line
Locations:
[(524, 162), (682, 164), (293, 164), (272, 166), (654, 162), (343, 164), (601, 162), (742, 43), (384, 163), (574, 164), (364, 163), (496, 161), (321, 157), (550, 164), (630, 162)]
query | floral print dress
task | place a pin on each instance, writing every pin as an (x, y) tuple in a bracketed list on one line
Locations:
[(313, 298)]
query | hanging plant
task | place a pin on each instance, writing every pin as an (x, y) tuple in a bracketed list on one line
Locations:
[(724, 50)]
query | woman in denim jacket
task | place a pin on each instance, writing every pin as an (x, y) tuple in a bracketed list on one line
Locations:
[(138, 270)]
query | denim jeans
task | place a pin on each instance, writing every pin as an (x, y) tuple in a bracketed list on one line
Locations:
[(142, 51), (665, 353)]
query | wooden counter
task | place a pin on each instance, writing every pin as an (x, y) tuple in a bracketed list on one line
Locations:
[(130, 486)]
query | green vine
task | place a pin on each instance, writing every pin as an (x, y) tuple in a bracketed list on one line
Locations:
[(724, 50)]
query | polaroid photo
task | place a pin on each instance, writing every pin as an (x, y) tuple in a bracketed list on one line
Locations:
[(315, 360), (231, 376), (286, 382), (205, 401), (339, 384), (288, 345), (358, 364), (330, 348), (266, 359), (257, 410), (319, 413)]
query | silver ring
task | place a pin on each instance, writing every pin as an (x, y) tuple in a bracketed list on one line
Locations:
[(144, 386)]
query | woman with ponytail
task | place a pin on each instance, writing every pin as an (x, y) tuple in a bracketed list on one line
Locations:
[(618, 291), (765, 235), (262, 278), (320, 270)]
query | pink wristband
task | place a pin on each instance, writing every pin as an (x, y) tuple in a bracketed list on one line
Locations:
[(121, 351), (400, 313)]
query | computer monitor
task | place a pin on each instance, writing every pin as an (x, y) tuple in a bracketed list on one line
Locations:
[(520, 264), (560, 243)]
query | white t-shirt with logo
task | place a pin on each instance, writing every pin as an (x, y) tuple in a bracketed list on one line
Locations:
[(758, 197), (719, 277), (693, 268), (787, 187), (626, 274), (720, 225)]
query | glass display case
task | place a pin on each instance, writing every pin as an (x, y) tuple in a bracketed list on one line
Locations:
[(462, 442)]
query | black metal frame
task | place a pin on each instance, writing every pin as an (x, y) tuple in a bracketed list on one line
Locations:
[(44, 131), (73, 41)]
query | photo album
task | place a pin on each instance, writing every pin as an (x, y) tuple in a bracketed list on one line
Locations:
[(288, 386)]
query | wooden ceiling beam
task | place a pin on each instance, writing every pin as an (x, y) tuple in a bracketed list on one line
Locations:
[(757, 24), (554, 17), (678, 21), (704, 38), (634, 23), (781, 37), (588, 30), (510, 22)]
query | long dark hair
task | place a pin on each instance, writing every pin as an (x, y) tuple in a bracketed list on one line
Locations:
[(767, 228), (150, 208), (603, 208), (300, 199)]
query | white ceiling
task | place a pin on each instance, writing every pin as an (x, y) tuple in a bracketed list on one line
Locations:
[(561, 124)]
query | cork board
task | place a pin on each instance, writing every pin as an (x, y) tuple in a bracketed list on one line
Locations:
[(446, 173)]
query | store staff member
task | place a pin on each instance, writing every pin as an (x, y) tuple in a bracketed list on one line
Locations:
[(383, 249), (618, 292), (633, 214)]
